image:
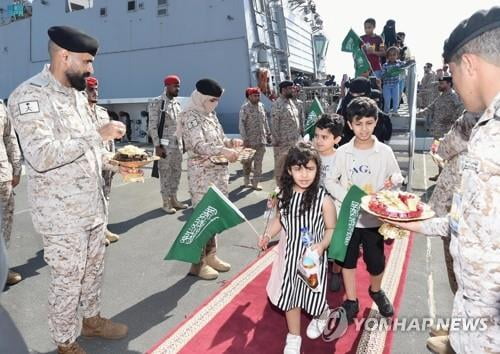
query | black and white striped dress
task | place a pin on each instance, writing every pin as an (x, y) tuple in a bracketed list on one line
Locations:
[(285, 290)]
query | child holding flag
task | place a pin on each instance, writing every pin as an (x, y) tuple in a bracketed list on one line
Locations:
[(328, 133), (308, 216), (368, 164)]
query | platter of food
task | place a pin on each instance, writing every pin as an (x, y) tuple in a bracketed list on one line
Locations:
[(243, 154), (396, 206), (132, 157)]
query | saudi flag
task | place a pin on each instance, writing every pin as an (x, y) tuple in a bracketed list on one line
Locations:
[(346, 222), (351, 42), (213, 214), (315, 113)]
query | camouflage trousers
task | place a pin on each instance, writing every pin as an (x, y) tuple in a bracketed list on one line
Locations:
[(256, 161), (280, 153), (483, 340), (170, 170), (7, 203), (200, 177), (76, 264)]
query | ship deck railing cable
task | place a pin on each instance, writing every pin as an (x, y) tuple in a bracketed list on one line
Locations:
[(411, 94)]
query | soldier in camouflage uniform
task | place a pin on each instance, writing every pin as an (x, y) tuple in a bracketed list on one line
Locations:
[(100, 117), (169, 147), (254, 131), (64, 158), (426, 89), (285, 126), (10, 176), (473, 53), (204, 138)]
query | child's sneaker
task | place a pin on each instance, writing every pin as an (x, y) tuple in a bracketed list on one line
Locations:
[(351, 309), (335, 282), (292, 344), (384, 305), (317, 325)]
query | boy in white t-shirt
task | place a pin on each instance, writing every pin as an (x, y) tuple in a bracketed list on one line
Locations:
[(368, 164), (327, 135)]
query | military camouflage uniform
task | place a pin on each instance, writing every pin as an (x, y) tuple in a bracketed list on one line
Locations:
[(203, 137), (63, 154), (254, 131), (473, 224), (452, 146), (101, 117), (445, 110), (285, 130), (170, 167), (426, 91), (10, 165)]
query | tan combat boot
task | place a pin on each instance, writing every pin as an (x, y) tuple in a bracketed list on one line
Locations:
[(438, 331), (176, 204), (73, 348), (203, 271), (440, 345), (217, 264), (256, 185), (98, 326), (110, 236), (168, 207), (13, 278)]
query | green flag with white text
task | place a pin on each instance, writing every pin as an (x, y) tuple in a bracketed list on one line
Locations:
[(213, 214), (346, 222), (315, 113), (351, 42)]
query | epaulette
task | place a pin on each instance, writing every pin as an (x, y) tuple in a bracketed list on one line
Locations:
[(38, 81)]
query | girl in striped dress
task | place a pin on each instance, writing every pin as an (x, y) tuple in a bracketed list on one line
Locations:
[(302, 203)]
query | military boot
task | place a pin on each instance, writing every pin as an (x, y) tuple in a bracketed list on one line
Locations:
[(98, 326), (440, 345), (256, 185), (203, 271), (168, 207), (110, 236), (176, 204), (217, 264), (13, 278), (73, 348)]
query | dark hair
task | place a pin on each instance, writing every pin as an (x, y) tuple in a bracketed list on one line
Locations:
[(371, 21), (392, 49), (299, 155), (361, 107), (333, 122)]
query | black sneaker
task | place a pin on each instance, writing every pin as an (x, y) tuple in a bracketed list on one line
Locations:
[(351, 309), (335, 282), (384, 305)]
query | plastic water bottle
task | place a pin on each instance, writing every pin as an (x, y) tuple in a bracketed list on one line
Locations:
[(306, 237)]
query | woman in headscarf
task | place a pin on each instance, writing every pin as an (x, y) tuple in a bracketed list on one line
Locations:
[(209, 152)]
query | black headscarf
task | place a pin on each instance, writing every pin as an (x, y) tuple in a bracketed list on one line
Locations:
[(389, 34)]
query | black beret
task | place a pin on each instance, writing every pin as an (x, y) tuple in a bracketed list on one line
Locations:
[(446, 78), (360, 85), (429, 65), (73, 40), (209, 87), (286, 83), (480, 22)]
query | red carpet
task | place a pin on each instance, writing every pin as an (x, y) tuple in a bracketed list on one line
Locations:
[(239, 318)]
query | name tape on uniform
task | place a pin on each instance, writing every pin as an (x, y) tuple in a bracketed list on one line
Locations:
[(29, 107)]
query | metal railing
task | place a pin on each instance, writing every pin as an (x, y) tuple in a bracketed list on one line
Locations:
[(411, 94)]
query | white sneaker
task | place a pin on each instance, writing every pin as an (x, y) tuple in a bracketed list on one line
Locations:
[(292, 344), (318, 325)]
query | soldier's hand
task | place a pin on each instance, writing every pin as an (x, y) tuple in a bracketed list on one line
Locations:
[(230, 154), (112, 130), (237, 143), (15, 181), (160, 151), (414, 226), (130, 171)]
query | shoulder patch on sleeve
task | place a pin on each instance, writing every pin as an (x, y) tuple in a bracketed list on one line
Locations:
[(28, 107), (193, 124)]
